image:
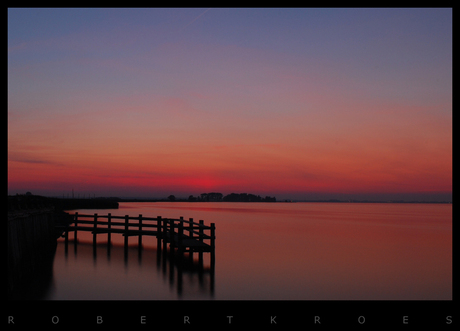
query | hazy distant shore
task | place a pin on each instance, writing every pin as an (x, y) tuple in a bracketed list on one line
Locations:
[(288, 201), (30, 201)]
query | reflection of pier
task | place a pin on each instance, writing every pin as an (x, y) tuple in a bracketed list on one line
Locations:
[(185, 238), (176, 270)]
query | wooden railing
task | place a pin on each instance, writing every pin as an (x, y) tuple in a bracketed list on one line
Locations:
[(181, 235)]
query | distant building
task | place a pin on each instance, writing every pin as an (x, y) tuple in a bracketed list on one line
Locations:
[(211, 196)]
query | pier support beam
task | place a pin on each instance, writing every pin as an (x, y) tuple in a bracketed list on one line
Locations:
[(109, 233), (75, 238), (139, 242), (165, 235), (190, 234), (213, 247), (200, 238), (95, 234), (126, 234)]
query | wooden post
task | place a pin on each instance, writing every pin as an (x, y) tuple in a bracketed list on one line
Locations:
[(179, 240), (140, 233), (109, 232), (213, 259), (180, 235), (164, 234), (94, 231), (126, 233), (66, 239), (200, 238), (172, 244), (190, 234), (75, 231), (213, 246), (158, 233)]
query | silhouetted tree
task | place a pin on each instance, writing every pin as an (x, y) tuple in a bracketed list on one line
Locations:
[(245, 197), (213, 196)]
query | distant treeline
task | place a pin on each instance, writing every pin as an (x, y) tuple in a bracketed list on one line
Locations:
[(233, 197)]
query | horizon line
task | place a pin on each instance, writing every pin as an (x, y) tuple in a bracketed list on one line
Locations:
[(284, 200)]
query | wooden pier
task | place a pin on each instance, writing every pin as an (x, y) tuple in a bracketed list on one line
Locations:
[(183, 236)]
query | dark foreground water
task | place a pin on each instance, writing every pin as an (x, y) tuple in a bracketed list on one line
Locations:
[(274, 251)]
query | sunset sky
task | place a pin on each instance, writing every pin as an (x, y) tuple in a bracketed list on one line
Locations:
[(295, 103)]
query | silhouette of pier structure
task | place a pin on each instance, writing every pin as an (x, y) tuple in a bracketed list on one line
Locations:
[(185, 237)]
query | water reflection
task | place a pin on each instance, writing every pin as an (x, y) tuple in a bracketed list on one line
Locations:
[(111, 273), (37, 286), (298, 251)]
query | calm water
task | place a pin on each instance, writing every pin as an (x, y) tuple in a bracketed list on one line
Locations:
[(275, 251)]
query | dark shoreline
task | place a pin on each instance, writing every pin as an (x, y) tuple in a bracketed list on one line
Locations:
[(29, 201)]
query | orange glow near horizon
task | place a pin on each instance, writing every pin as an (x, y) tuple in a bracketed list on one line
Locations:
[(360, 161)]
